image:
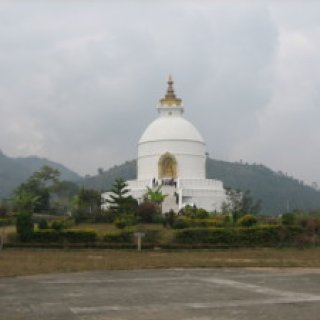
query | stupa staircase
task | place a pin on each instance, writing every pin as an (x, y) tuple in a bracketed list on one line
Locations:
[(170, 201)]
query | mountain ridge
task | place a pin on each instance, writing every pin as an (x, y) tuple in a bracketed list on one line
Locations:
[(278, 192), (14, 171)]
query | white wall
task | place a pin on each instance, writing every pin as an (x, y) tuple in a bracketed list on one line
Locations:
[(190, 156)]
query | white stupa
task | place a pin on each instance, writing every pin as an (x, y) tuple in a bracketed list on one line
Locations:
[(171, 153)]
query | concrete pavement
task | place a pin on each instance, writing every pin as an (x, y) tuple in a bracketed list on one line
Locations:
[(164, 294)]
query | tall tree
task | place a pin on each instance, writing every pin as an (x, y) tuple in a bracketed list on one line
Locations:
[(86, 205), (119, 200), (40, 185), (25, 201), (239, 204), (89, 200)]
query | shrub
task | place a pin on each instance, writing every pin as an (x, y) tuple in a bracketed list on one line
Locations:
[(57, 225), (43, 224), (259, 235), (256, 235), (131, 220), (288, 219), (195, 213), (24, 226), (107, 216), (227, 220), (159, 219), (80, 236), (71, 235), (146, 212), (247, 220), (127, 236), (205, 235), (202, 214), (120, 223), (289, 234), (206, 223), (61, 224), (181, 223), (311, 225), (119, 237), (82, 215), (125, 221), (169, 219), (152, 236), (46, 236), (307, 240)]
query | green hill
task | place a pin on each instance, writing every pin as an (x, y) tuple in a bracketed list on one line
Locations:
[(14, 171), (276, 190), (104, 181)]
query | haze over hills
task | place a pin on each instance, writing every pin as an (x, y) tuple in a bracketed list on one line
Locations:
[(14, 171), (277, 191)]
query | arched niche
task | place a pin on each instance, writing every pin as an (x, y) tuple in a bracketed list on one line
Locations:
[(167, 166)]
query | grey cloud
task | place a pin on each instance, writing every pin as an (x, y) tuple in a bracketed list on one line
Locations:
[(80, 80)]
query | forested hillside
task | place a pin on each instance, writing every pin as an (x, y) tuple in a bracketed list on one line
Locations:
[(276, 191), (14, 171), (104, 180)]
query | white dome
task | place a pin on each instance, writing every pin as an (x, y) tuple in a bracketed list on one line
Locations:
[(171, 128)]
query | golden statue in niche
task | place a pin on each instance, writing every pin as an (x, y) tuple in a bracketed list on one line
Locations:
[(167, 166)]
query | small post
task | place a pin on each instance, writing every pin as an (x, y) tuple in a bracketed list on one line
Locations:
[(139, 236)]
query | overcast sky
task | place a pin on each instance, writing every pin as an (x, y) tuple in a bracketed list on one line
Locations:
[(79, 80)]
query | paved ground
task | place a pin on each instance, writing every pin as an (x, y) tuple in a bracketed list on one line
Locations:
[(164, 294)]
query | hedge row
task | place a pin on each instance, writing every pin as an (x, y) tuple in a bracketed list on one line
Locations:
[(90, 236), (127, 236), (70, 235), (259, 235), (123, 236), (5, 222), (243, 236), (182, 223)]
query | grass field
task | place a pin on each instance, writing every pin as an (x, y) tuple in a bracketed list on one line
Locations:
[(18, 262)]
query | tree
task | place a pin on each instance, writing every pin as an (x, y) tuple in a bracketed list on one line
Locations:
[(24, 226), (86, 204), (90, 200), (239, 204), (156, 196), (40, 185), (25, 201), (119, 200)]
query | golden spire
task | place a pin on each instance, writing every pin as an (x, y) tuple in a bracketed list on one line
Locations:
[(170, 98)]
